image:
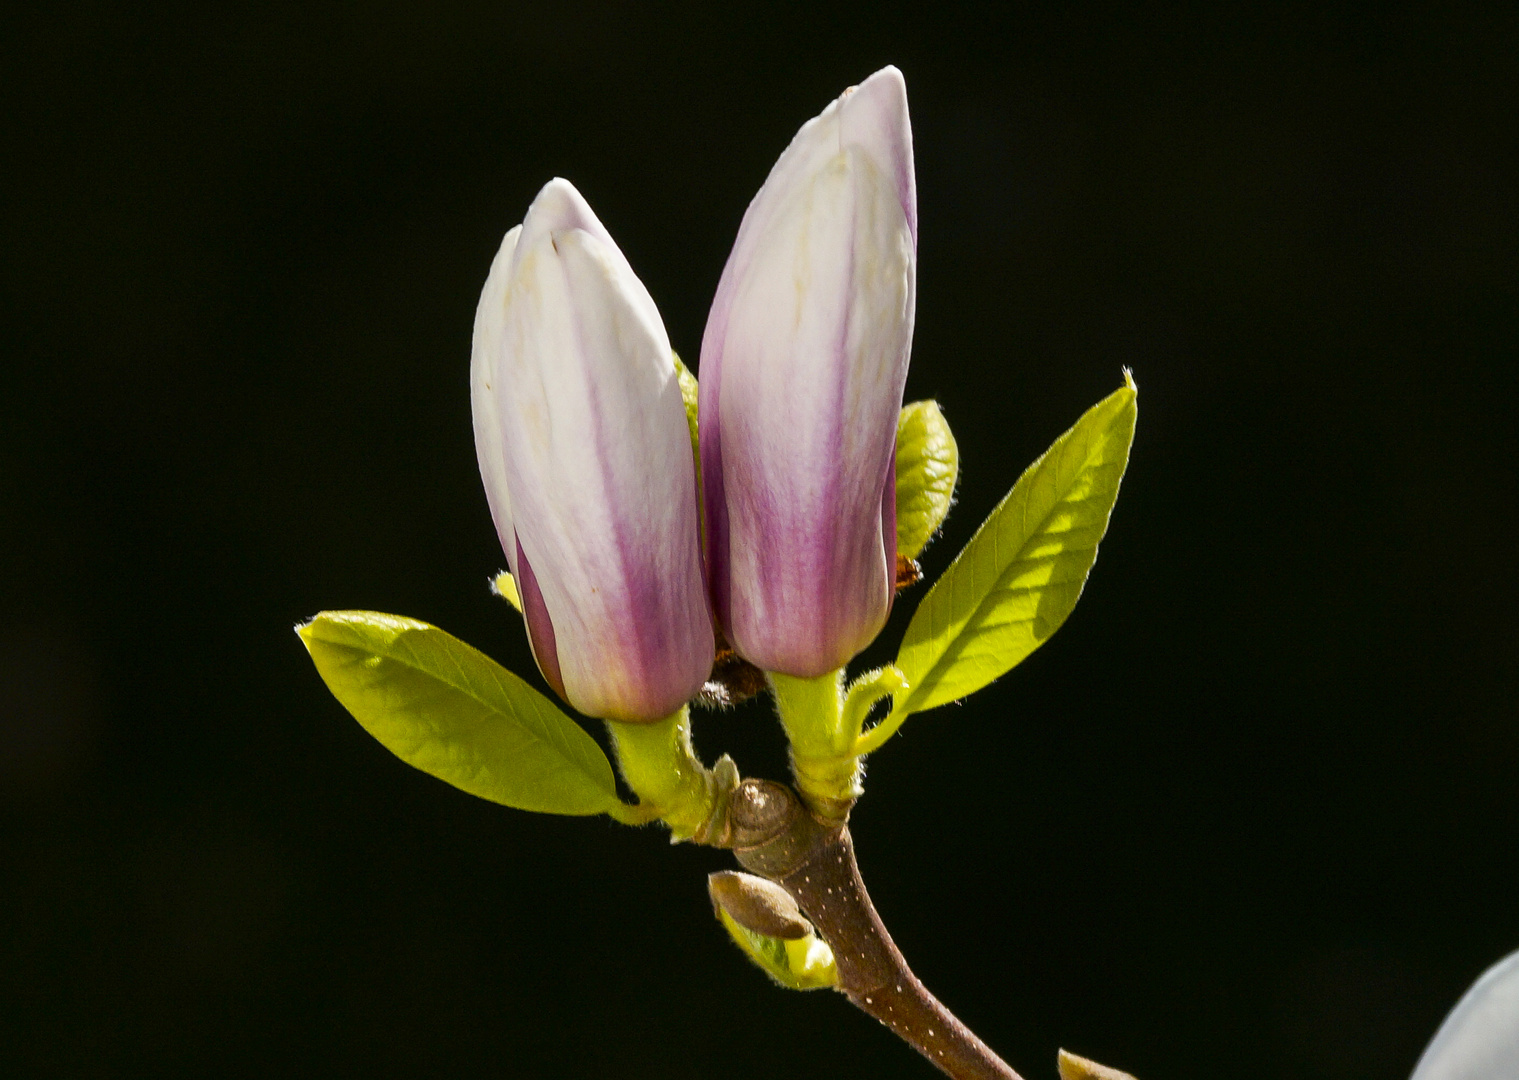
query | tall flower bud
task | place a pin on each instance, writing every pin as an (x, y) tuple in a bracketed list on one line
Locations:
[(1480, 1037), (802, 369), (583, 446)]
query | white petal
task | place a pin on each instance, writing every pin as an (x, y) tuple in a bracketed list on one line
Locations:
[(557, 208), (803, 364), (599, 465), (490, 322), (1480, 1038), (870, 118)]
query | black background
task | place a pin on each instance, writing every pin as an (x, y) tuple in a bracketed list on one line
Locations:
[(1251, 813)]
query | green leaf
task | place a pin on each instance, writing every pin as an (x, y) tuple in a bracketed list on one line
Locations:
[(804, 963), (1023, 571), (453, 712), (927, 463), (688, 395), (505, 586)]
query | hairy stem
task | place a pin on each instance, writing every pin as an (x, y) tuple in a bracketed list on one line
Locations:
[(672, 784), (827, 772), (774, 836)]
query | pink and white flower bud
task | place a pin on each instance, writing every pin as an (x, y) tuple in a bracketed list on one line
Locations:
[(583, 446), (802, 369)]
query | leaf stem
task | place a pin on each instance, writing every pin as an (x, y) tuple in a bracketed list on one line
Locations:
[(873, 739), (774, 836), (633, 813)]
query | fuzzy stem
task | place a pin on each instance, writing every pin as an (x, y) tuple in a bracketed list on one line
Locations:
[(812, 712), (815, 863), (660, 765)]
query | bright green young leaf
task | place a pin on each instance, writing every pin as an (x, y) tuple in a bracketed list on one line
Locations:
[(805, 963), (688, 393), (505, 586), (453, 712), (1023, 571), (927, 463)]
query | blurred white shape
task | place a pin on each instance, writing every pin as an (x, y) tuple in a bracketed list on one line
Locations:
[(1480, 1038)]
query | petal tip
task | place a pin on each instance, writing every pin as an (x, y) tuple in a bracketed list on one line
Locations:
[(559, 206), (890, 75), (886, 91)]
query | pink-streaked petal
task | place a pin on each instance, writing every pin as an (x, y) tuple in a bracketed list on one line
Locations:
[(889, 522), (540, 628), (803, 365), (598, 461)]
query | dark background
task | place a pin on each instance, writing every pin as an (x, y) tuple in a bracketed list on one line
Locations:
[(1251, 813)]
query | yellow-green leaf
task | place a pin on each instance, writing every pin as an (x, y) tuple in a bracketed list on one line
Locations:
[(927, 463), (1023, 571), (804, 963), (1080, 1068), (505, 586), (453, 712), (688, 394)]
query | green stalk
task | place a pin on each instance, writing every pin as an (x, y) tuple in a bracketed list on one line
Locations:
[(660, 765), (822, 746)]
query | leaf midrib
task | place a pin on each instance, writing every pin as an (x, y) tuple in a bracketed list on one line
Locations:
[(1095, 450)]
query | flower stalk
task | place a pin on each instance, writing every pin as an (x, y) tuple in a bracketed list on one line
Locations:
[(823, 722), (827, 773), (660, 765)]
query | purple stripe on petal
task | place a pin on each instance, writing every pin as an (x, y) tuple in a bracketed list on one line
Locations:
[(597, 456), (540, 628), (803, 364), (710, 444), (889, 526)]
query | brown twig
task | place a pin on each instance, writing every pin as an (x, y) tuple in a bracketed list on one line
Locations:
[(774, 836)]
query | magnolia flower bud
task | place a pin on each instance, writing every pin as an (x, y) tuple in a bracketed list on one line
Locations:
[(1480, 1037), (585, 453), (802, 368)]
